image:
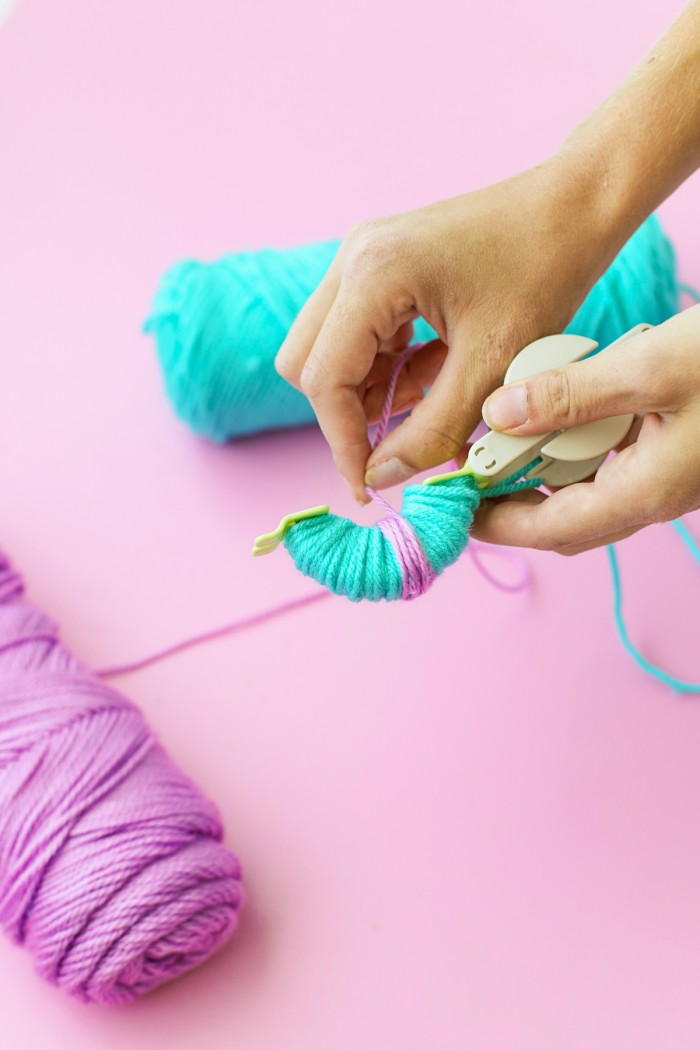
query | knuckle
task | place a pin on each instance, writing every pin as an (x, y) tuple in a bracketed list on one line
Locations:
[(555, 401), (359, 231), (663, 503), (502, 341), (309, 382), (371, 247), (542, 541), (556, 544), (648, 366), (558, 532), (441, 441), (661, 373), (656, 378), (285, 368)]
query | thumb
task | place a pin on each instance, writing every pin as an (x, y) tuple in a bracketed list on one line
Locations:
[(612, 383)]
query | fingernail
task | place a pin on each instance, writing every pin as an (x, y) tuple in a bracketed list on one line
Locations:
[(391, 472), (506, 408)]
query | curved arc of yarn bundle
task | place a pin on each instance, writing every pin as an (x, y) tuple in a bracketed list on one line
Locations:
[(404, 553), (361, 561), (367, 562), (112, 868)]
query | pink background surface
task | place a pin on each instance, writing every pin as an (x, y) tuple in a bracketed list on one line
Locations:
[(466, 822)]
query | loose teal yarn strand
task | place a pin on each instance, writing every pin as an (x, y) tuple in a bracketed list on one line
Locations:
[(687, 289), (678, 684), (687, 537), (219, 325)]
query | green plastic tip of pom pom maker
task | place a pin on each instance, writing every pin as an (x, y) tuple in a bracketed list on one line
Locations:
[(269, 541), (465, 472)]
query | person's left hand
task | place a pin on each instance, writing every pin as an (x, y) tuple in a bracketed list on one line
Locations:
[(656, 477)]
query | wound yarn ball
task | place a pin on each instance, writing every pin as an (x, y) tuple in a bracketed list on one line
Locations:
[(218, 326), (112, 869)]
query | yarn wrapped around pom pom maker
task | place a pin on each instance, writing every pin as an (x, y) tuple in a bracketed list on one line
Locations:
[(401, 556)]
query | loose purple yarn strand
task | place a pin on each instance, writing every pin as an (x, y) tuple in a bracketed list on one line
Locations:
[(522, 581), (216, 632)]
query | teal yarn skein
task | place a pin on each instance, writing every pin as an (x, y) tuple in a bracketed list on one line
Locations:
[(219, 325)]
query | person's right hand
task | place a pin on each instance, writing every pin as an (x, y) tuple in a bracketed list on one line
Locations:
[(655, 477), (490, 271)]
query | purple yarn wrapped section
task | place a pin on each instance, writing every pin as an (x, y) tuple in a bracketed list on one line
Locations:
[(112, 870), (418, 573)]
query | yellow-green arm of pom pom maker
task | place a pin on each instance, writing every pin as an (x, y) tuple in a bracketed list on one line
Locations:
[(269, 541), (563, 456)]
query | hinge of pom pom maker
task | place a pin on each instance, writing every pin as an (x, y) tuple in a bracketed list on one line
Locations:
[(563, 456)]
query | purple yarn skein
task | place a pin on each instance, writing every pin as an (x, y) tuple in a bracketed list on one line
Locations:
[(112, 870)]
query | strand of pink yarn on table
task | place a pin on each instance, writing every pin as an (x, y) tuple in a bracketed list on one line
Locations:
[(112, 868)]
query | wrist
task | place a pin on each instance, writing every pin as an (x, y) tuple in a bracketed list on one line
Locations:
[(592, 191)]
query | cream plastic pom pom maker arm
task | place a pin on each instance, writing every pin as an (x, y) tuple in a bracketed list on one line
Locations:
[(563, 456)]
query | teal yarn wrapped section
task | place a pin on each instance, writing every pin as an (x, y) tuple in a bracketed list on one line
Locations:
[(357, 561), (361, 563), (219, 325)]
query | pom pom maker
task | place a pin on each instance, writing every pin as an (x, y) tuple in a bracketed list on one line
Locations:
[(563, 456)]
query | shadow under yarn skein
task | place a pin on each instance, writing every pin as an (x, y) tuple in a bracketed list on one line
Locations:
[(112, 869)]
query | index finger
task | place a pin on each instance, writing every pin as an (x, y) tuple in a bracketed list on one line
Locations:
[(340, 360), (294, 351)]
